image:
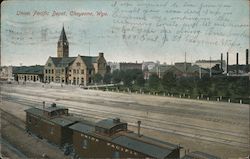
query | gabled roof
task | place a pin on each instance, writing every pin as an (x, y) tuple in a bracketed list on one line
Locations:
[(89, 60), (37, 69), (143, 147), (62, 61)]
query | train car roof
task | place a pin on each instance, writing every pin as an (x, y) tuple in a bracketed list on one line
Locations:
[(60, 120), (153, 141), (51, 109), (34, 111), (108, 123), (199, 155), (143, 147), (84, 127), (64, 120)]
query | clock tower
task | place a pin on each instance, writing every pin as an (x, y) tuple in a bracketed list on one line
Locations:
[(63, 45)]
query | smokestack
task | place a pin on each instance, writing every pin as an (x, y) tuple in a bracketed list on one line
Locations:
[(246, 56), (221, 61), (43, 107), (247, 69), (227, 62), (237, 63), (139, 128)]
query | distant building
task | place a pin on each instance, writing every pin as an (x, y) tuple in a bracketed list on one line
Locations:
[(149, 65), (114, 66), (211, 63), (130, 66), (28, 73), (6, 73), (180, 69), (72, 70)]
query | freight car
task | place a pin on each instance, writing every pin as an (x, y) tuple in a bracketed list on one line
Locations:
[(51, 123), (108, 138)]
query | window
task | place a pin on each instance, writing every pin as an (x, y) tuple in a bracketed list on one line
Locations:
[(116, 154), (84, 144), (77, 71), (62, 70), (74, 71), (49, 64), (46, 71), (49, 70), (52, 71), (78, 64), (52, 79), (29, 119), (51, 130), (82, 71)]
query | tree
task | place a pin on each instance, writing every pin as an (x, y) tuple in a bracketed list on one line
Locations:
[(107, 78), (127, 78), (168, 80), (154, 81), (140, 81), (116, 76), (97, 78)]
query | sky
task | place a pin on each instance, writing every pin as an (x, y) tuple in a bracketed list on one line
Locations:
[(125, 31)]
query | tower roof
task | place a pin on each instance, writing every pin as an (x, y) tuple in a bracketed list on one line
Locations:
[(63, 35)]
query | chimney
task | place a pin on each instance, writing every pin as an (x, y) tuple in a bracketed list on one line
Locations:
[(43, 107), (221, 61), (100, 54), (53, 105), (139, 128), (227, 62), (247, 67), (237, 63), (246, 56)]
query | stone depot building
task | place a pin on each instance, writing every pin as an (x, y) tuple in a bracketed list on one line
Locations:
[(64, 69)]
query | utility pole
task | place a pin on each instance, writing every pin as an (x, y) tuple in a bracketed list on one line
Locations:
[(210, 68), (200, 72), (89, 48), (185, 64)]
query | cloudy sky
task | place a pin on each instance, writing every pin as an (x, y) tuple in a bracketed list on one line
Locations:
[(126, 31)]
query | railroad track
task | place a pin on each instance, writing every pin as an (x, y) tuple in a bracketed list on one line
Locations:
[(216, 116), (12, 149), (12, 119), (163, 126)]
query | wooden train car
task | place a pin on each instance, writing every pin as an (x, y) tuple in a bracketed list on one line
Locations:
[(110, 138), (51, 123), (107, 138)]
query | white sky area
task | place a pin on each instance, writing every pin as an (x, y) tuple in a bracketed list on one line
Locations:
[(130, 30)]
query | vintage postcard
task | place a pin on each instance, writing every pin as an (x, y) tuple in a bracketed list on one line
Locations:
[(167, 79)]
